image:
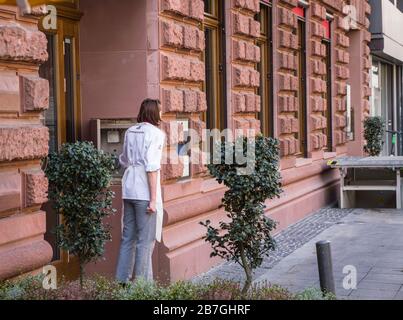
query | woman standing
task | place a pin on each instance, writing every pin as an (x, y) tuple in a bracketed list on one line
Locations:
[(141, 188)]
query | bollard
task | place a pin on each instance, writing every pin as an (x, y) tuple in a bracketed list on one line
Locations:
[(325, 267)]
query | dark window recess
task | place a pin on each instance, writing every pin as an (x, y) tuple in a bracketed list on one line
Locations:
[(215, 85), (265, 91), (48, 71), (301, 74), (328, 96), (69, 90)]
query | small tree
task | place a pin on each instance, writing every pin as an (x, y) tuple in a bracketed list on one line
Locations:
[(374, 128), (246, 239), (79, 177)]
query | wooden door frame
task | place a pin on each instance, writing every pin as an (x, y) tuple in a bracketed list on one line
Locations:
[(68, 19)]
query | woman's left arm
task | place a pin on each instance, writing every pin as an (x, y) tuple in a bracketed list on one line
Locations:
[(153, 165), (123, 158)]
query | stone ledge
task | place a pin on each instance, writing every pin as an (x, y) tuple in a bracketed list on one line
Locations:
[(23, 143), (20, 227), (20, 44), (20, 260)]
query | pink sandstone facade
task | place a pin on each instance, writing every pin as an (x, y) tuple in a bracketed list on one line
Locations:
[(23, 143), (163, 46)]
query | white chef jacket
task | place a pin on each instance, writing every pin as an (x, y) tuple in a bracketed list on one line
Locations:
[(142, 153)]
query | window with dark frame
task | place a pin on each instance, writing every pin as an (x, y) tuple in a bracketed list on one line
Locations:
[(328, 78), (301, 74), (265, 90), (215, 85)]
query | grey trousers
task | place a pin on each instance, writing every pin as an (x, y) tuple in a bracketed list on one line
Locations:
[(138, 241)]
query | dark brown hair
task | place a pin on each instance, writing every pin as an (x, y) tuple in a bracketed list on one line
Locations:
[(150, 112)]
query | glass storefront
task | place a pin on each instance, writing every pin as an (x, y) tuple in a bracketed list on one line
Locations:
[(386, 101)]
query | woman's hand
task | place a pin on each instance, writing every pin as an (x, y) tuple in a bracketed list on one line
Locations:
[(152, 208)]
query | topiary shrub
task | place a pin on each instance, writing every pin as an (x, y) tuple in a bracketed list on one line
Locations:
[(246, 239), (374, 128), (79, 177)]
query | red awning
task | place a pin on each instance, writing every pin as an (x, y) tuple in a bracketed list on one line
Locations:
[(299, 11)]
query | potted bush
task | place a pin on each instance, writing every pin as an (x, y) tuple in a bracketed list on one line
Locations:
[(79, 177), (374, 128), (246, 239)]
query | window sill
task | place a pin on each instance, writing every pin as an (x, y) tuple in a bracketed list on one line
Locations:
[(302, 162)]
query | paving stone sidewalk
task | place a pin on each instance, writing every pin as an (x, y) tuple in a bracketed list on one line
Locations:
[(369, 240), (287, 241)]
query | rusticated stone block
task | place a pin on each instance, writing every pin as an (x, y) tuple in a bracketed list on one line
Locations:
[(287, 17), (176, 6), (251, 5), (20, 44), (317, 122), (288, 82), (174, 132), (172, 100), (285, 124), (36, 188), (336, 4), (318, 29), (340, 120), (190, 100), (318, 49), (175, 68), (198, 127), (292, 3), (22, 259), (173, 169), (254, 126), (318, 67), (254, 28), (340, 104), (190, 8), (252, 103), (245, 76), (172, 34), (239, 102), (198, 166), (245, 25), (35, 93), (342, 56), (241, 23), (10, 190), (287, 103), (190, 37), (24, 143), (201, 101), (287, 39), (182, 36), (9, 93), (318, 85), (254, 78), (318, 11), (288, 146), (196, 9), (287, 61), (317, 103), (342, 40), (241, 76), (340, 137), (245, 50), (197, 71)]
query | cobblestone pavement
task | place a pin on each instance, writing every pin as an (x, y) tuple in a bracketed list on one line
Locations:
[(371, 241), (287, 241)]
